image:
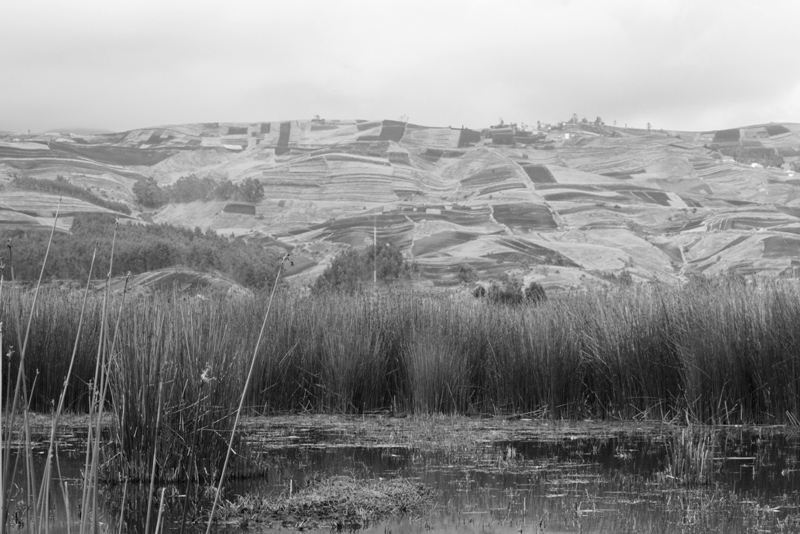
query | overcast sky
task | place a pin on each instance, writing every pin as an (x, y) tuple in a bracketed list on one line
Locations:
[(692, 65)]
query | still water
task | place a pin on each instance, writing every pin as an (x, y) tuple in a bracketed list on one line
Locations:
[(577, 482)]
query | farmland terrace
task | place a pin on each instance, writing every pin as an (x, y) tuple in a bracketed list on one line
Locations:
[(567, 207)]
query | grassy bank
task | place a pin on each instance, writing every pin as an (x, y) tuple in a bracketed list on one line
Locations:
[(713, 352)]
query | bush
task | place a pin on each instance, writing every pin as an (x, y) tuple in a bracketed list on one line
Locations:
[(148, 193), (466, 273), (352, 270), (534, 293), (507, 290)]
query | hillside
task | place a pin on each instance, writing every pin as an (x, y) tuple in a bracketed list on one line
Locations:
[(570, 205)]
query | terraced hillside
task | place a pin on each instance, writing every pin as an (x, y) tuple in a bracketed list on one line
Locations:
[(576, 204)]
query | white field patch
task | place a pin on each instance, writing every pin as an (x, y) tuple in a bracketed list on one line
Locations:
[(676, 201), (638, 253), (25, 146), (191, 214), (565, 175), (431, 137)]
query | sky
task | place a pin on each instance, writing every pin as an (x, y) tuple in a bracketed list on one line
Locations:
[(677, 64)]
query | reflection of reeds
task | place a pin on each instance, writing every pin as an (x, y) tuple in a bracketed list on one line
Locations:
[(690, 457)]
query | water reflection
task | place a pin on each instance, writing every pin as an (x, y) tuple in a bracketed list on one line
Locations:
[(574, 484)]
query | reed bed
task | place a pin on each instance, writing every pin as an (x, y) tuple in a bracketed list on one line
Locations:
[(716, 352)]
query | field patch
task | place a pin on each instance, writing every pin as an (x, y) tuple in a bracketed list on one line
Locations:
[(776, 129), (459, 215), (283, 138), (115, 155), (525, 216), (468, 137), (654, 197), (539, 174), (527, 249), (358, 231), (727, 136), (489, 176), (237, 207), (782, 247), (575, 196), (440, 240)]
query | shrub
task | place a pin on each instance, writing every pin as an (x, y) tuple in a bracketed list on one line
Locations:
[(351, 270), (507, 290), (148, 193), (466, 273), (535, 293)]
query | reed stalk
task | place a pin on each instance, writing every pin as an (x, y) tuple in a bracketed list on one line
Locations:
[(43, 499), (243, 396), (20, 394)]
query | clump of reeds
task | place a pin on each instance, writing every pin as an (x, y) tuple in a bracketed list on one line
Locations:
[(690, 457), (174, 385)]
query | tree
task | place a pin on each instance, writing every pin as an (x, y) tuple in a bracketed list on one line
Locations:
[(190, 188), (251, 190), (148, 193), (466, 273), (224, 190), (352, 270), (345, 273)]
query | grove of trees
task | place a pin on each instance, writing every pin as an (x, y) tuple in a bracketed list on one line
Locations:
[(191, 188)]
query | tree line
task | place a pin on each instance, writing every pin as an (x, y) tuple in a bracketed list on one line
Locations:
[(190, 188), (139, 248), (63, 187)]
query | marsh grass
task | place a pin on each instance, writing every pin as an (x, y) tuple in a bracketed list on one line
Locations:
[(717, 352), (174, 365)]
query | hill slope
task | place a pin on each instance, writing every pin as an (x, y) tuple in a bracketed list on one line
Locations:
[(568, 206)]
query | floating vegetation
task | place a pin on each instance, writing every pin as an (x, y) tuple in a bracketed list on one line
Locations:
[(335, 502)]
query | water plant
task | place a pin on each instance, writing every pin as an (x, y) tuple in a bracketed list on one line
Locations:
[(690, 457)]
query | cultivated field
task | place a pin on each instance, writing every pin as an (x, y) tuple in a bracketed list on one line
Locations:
[(442, 196)]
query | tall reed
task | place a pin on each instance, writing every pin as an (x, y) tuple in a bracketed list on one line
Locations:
[(714, 352), (690, 457)]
